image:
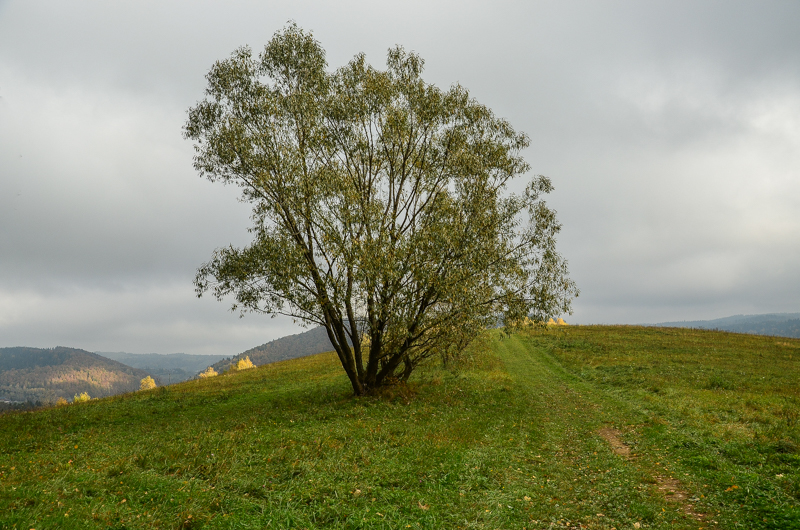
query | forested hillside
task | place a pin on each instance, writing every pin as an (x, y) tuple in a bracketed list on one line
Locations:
[(44, 375), (291, 347)]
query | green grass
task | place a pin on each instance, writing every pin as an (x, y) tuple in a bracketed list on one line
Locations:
[(724, 407), (508, 441)]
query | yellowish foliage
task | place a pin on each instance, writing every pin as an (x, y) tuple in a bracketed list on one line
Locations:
[(209, 372), (61, 401), (242, 364), (147, 383), (84, 396), (525, 322), (245, 364), (528, 323)]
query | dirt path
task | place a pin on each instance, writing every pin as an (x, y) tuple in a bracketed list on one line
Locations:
[(568, 406), (669, 487)]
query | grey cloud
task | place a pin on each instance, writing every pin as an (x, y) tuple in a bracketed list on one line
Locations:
[(138, 318), (670, 130), (102, 187)]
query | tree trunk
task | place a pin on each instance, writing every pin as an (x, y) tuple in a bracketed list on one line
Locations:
[(345, 356)]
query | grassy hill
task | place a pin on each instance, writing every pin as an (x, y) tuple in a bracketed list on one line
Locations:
[(578, 427), (309, 342), (34, 374)]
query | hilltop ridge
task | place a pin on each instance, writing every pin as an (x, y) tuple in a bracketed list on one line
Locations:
[(773, 324), (303, 344)]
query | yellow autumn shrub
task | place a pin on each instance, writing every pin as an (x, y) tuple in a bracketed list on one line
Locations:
[(84, 396), (245, 364), (241, 364), (209, 372), (147, 383)]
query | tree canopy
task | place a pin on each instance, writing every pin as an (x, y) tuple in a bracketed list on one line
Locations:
[(380, 206)]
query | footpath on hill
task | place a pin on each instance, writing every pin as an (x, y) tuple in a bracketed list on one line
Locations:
[(706, 422), (576, 417)]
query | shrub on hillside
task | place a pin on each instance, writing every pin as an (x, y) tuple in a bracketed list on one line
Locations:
[(529, 323), (84, 396), (209, 372), (242, 364), (61, 401), (147, 383)]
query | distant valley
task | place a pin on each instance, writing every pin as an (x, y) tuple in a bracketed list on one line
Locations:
[(170, 368), (177, 367)]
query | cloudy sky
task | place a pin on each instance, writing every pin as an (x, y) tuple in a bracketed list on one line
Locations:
[(671, 131)]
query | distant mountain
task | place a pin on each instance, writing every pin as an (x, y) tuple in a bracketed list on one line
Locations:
[(777, 324), (291, 347), (170, 368), (34, 374)]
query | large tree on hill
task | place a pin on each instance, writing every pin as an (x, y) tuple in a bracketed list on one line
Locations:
[(380, 206)]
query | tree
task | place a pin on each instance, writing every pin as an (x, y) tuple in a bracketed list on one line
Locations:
[(209, 372), (241, 364), (147, 383), (381, 208)]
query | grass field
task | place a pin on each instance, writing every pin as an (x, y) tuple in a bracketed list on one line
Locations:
[(510, 440)]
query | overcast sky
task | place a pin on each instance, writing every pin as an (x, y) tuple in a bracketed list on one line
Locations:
[(671, 131)]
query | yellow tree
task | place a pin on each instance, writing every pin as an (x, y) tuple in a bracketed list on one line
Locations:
[(209, 372), (82, 397), (147, 383), (242, 364)]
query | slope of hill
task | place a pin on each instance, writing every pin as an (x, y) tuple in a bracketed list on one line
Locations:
[(579, 427), (170, 368), (291, 347), (34, 374), (774, 324)]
